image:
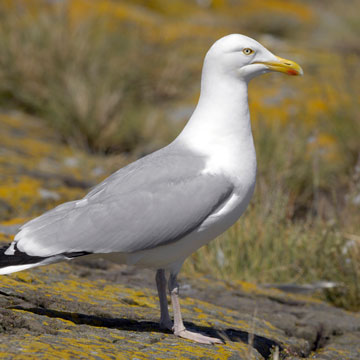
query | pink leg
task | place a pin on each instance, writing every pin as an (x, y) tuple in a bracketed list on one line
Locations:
[(179, 328)]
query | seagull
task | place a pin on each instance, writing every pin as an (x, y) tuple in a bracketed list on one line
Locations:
[(158, 210)]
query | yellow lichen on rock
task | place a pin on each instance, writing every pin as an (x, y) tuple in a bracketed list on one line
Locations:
[(38, 171)]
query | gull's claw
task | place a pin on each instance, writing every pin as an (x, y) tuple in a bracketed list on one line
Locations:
[(197, 337)]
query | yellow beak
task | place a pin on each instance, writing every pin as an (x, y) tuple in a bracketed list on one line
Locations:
[(285, 66)]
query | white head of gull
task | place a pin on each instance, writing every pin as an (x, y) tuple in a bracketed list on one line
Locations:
[(158, 210)]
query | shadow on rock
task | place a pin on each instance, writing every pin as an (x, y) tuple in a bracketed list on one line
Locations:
[(263, 345)]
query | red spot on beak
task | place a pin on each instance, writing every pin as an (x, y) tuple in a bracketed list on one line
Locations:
[(292, 72)]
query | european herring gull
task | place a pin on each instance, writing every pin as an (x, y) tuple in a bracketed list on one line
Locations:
[(158, 210)]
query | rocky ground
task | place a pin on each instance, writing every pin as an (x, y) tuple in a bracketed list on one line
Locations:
[(98, 310)]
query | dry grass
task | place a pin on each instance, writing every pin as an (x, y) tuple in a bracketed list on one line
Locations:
[(93, 81)]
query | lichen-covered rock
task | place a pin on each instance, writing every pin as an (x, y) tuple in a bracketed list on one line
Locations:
[(98, 310), (37, 171)]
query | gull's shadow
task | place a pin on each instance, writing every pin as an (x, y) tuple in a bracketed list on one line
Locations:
[(262, 344)]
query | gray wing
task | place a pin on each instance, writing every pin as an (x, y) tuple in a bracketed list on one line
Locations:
[(152, 202)]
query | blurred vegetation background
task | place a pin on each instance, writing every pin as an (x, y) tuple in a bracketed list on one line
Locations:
[(123, 77)]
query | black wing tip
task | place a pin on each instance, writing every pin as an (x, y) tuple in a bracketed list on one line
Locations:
[(18, 258), (21, 258)]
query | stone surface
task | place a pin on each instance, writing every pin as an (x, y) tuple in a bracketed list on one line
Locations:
[(98, 310)]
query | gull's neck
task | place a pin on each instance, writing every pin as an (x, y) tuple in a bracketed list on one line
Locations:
[(220, 126)]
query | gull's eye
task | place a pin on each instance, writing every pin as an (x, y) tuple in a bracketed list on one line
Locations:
[(248, 51)]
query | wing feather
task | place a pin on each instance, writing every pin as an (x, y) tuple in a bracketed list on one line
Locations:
[(141, 206)]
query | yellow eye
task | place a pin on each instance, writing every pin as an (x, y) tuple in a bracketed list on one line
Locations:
[(248, 51)]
